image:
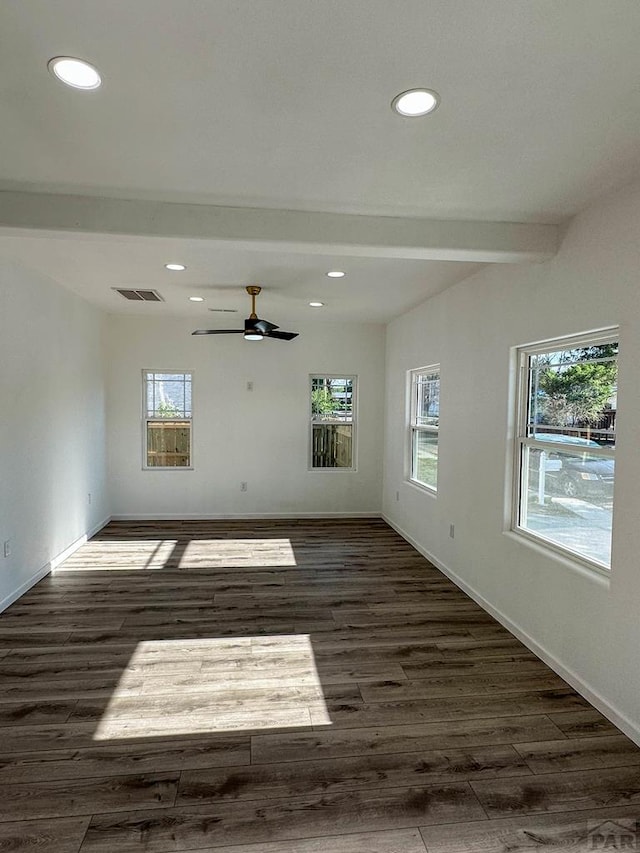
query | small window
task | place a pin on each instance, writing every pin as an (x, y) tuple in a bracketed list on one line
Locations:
[(167, 420), (333, 407), (565, 447), (424, 415)]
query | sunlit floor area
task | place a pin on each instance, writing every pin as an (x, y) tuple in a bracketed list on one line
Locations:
[(174, 687), (289, 687)]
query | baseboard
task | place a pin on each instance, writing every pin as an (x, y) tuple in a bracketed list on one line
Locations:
[(585, 690), (63, 555), (50, 566), (182, 516), (8, 600)]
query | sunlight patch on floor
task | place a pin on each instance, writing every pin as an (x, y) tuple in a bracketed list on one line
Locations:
[(95, 556), (237, 553), (176, 554), (193, 686)]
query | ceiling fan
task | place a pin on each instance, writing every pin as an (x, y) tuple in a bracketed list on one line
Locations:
[(255, 329)]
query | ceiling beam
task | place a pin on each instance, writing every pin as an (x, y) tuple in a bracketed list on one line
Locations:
[(281, 230)]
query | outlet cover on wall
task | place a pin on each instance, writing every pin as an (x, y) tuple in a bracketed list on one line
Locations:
[(243, 486), (7, 547)]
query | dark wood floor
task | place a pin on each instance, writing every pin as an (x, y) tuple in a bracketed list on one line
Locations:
[(288, 687)]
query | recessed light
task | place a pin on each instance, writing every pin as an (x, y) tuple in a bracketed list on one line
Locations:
[(196, 299), (316, 304), (175, 267), (75, 72), (415, 102), (336, 274)]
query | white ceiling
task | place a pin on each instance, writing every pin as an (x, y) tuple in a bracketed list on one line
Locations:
[(284, 104), (374, 290)]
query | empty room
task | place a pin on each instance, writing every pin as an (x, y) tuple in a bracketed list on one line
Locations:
[(319, 426)]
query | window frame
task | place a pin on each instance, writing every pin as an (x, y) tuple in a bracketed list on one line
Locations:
[(146, 420), (414, 428), (522, 441), (354, 420)]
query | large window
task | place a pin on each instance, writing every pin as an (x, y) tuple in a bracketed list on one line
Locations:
[(333, 408), (167, 420), (424, 415), (566, 445)]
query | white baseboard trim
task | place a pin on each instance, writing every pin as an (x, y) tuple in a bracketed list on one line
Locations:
[(50, 566), (182, 516), (63, 555), (585, 690), (17, 593)]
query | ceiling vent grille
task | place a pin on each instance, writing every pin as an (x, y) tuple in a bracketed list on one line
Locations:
[(224, 310), (139, 295)]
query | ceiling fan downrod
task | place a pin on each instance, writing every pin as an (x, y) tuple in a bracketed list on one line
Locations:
[(253, 290)]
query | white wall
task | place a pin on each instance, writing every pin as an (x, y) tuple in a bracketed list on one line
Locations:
[(52, 425), (258, 436), (588, 628)]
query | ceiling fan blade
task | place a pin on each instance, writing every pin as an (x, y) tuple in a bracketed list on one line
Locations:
[(218, 332), (263, 326), (254, 327), (282, 336)]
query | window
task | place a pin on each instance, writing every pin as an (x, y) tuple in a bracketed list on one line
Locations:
[(167, 420), (424, 414), (333, 407), (565, 445)]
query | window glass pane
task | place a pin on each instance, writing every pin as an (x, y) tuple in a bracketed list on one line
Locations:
[(332, 398), (424, 467), (567, 498), (169, 395), (572, 392), (427, 399), (168, 444), (331, 445)]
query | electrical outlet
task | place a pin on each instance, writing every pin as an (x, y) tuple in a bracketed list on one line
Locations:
[(452, 530), (397, 496), (249, 386), (7, 547), (243, 486)]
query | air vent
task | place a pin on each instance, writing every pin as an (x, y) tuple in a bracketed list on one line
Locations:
[(224, 310), (140, 295)]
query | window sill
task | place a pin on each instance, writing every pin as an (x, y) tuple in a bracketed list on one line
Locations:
[(168, 468), (584, 567), (332, 470), (421, 487)]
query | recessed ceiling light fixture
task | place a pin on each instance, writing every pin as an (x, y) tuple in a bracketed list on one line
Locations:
[(196, 299), (336, 274), (75, 72), (316, 304), (175, 267), (415, 102)]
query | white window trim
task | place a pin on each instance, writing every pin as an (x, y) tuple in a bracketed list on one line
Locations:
[(411, 428), (601, 336), (146, 420), (354, 419)]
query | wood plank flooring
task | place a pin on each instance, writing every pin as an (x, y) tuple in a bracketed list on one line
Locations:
[(287, 687)]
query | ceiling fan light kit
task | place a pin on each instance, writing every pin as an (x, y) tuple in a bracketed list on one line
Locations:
[(255, 329)]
